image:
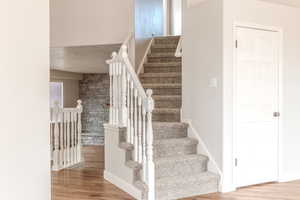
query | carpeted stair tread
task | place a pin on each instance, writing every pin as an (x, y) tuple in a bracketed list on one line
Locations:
[(166, 64), (166, 111), (166, 97), (161, 55), (156, 75), (175, 142), (176, 187), (169, 130), (174, 147), (180, 165), (162, 85)]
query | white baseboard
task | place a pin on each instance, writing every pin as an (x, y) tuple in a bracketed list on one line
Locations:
[(289, 177), (202, 149), (130, 189)]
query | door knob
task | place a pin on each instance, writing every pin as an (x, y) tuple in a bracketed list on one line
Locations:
[(276, 114)]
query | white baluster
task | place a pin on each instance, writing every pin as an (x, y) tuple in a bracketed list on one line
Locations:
[(123, 85), (129, 136), (65, 139), (68, 127), (114, 88), (136, 139), (150, 154), (74, 113), (140, 143), (131, 112), (145, 167), (110, 94), (61, 141), (79, 130), (72, 137), (123, 96), (56, 138)]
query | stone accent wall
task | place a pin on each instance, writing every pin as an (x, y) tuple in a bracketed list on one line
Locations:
[(94, 93)]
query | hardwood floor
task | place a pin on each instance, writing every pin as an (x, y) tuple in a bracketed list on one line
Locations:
[(87, 183)]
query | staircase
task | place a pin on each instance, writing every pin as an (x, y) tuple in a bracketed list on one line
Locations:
[(147, 149), (179, 171)]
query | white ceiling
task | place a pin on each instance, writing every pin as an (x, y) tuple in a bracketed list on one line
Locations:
[(82, 59), (294, 3)]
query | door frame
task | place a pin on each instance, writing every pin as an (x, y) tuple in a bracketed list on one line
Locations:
[(237, 25)]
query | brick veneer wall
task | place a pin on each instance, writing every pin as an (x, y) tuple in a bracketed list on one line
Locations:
[(94, 93)]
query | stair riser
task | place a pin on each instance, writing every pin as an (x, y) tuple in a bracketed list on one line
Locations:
[(162, 69), (168, 103), (174, 150), (166, 41), (188, 190), (160, 79), (162, 117), (163, 59), (166, 91), (168, 133), (180, 168), (163, 50)]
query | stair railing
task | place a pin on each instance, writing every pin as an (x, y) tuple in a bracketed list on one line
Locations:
[(178, 52), (65, 136), (131, 107)]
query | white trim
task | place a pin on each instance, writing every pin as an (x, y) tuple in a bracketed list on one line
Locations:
[(144, 60), (130, 189), (289, 177), (202, 149), (280, 68)]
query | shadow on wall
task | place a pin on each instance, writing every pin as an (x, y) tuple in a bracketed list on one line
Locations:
[(94, 93)]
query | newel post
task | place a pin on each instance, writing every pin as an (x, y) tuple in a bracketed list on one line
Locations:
[(79, 130), (124, 110), (56, 150), (112, 95), (150, 154)]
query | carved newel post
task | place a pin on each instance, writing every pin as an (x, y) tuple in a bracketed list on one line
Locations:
[(150, 154), (79, 126)]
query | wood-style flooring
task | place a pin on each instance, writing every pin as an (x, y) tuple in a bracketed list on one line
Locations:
[(87, 183)]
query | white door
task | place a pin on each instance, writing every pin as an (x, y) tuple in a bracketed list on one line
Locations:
[(256, 100)]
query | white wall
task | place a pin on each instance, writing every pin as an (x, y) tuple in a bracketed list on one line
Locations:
[(24, 86), (91, 22), (202, 61), (176, 17), (274, 15)]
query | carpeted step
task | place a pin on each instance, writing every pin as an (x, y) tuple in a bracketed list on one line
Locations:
[(168, 67), (160, 77), (167, 40), (166, 115), (174, 147), (164, 89), (171, 101), (163, 58), (169, 130), (180, 165), (164, 48), (176, 187)]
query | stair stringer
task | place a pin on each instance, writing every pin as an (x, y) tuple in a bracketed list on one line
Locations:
[(120, 170)]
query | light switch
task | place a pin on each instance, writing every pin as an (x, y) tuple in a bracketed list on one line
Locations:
[(213, 83)]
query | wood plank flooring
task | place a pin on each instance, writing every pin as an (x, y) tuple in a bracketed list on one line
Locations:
[(87, 183)]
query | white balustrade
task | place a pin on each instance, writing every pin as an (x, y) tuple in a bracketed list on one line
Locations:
[(131, 107), (65, 136)]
